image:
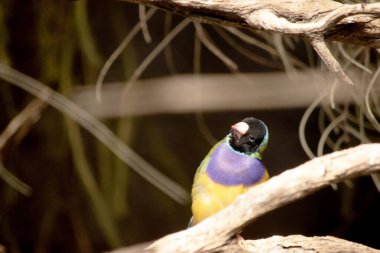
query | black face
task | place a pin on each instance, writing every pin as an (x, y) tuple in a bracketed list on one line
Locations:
[(249, 142)]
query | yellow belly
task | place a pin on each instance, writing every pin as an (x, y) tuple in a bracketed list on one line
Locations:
[(210, 197)]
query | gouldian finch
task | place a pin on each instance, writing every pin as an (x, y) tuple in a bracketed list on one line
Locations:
[(231, 167)]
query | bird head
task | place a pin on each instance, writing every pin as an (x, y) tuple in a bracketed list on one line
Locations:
[(250, 136)]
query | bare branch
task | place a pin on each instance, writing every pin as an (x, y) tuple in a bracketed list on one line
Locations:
[(21, 124), (327, 18), (197, 93), (289, 186), (299, 244), (14, 132), (332, 64), (290, 244), (283, 244), (316, 20), (98, 129)]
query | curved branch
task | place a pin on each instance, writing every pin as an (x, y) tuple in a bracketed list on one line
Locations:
[(298, 243), (351, 23), (283, 244), (270, 19), (316, 20), (291, 185)]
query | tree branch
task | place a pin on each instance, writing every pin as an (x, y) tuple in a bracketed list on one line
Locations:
[(16, 130), (326, 18), (291, 185), (297, 243), (21, 124), (282, 244), (332, 64), (322, 19)]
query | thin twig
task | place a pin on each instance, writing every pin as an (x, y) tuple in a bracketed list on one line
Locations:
[(143, 24), (14, 132), (98, 129), (332, 64), (107, 65), (21, 124)]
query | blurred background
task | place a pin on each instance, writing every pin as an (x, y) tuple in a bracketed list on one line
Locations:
[(111, 162)]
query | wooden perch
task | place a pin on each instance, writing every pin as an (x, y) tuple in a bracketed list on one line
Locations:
[(217, 231), (316, 20), (297, 244), (280, 244)]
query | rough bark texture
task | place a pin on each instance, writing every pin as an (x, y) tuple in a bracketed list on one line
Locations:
[(315, 20), (218, 232), (280, 244), (351, 23), (299, 243)]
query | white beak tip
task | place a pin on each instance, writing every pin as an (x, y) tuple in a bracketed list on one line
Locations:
[(240, 128)]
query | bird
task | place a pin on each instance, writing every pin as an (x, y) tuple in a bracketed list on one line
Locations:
[(230, 168)]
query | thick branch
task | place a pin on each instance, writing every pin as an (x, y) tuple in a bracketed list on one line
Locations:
[(299, 244), (351, 23), (322, 19), (289, 186), (280, 244)]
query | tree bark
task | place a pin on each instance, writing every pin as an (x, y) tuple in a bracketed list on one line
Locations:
[(316, 20), (351, 23), (218, 232), (299, 244)]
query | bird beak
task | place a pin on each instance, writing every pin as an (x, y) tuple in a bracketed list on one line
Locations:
[(240, 129)]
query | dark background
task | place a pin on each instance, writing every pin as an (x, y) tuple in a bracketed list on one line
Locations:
[(58, 216)]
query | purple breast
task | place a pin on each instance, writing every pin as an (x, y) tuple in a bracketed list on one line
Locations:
[(229, 167)]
